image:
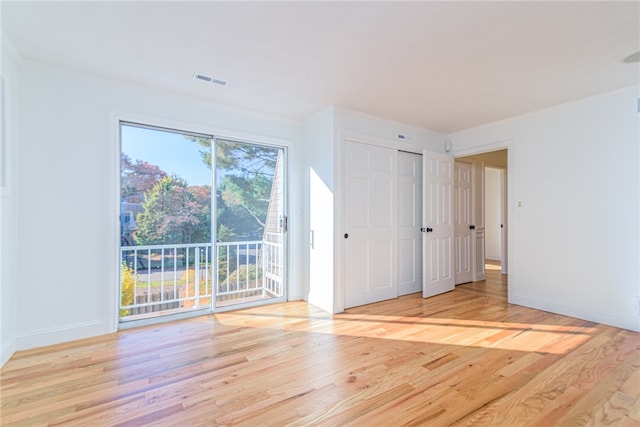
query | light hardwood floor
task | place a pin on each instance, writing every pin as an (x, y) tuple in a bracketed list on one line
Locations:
[(462, 358)]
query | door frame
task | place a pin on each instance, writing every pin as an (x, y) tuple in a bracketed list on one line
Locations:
[(510, 223), (116, 117), (504, 224)]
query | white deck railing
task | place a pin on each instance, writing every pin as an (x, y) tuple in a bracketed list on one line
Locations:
[(180, 277)]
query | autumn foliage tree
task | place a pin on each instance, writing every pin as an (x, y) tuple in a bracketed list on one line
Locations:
[(174, 213), (170, 211), (246, 173), (137, 178)]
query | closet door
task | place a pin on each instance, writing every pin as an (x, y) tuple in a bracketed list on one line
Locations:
[(370, 223), (437, 224)]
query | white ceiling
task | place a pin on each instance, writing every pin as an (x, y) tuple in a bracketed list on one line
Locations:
[(444, 66)]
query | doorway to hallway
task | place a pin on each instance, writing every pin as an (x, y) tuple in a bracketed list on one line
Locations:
[(481, 215)]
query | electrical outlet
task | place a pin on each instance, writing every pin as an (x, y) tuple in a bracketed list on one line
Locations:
[(637, 306)]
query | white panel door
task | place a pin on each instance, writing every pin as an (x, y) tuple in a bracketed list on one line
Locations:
[(438, 224), (410, 222), (462, 219), (478, 234), (370, 223)]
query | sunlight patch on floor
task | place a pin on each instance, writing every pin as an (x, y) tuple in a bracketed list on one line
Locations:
[(546, 338)]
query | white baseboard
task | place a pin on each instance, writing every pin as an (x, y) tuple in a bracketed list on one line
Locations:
[(56, 335), (624, 322), (7, 350)]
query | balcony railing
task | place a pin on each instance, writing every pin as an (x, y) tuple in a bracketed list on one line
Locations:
[(172, 278)]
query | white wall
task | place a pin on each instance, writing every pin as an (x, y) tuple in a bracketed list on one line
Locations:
[(319, 199), (67, 161), (8, 283), (492, 217), (574, 243)]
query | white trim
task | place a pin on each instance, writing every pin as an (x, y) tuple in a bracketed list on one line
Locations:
[(243, 305), (113, 207), (219, 133), (485, 148), (56, 335), (286, 237), (338, 215), (381, 142), (7, 350), (624, 322), (544, 110), (164, 318)]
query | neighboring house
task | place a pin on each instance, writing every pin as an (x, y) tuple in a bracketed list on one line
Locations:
[(128, 224)]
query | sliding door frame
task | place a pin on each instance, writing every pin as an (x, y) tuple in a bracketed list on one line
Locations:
[(112, 253)]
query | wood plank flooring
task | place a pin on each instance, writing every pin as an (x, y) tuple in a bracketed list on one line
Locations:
[(463, 358)]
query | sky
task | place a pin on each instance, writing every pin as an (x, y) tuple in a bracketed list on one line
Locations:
[(171, 152)]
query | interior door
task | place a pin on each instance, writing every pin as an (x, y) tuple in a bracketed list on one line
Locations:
[(478, 233), (410, 222), (437, 211), (371, 226), (462, 223)]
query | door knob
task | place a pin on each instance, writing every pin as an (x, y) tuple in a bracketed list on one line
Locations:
[(429, 229), (472, 227), (346, 235)]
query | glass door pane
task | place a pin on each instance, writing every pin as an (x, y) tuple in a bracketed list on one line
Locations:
[(165, 222), (250, 223)]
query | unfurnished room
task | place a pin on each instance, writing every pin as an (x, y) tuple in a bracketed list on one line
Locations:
[(319, 213)]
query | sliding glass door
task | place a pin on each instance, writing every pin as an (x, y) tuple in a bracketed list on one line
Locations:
[(165, 222), (175, 256), (251, 223)]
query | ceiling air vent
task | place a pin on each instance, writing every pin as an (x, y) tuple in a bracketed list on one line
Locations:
[(209, 79)]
